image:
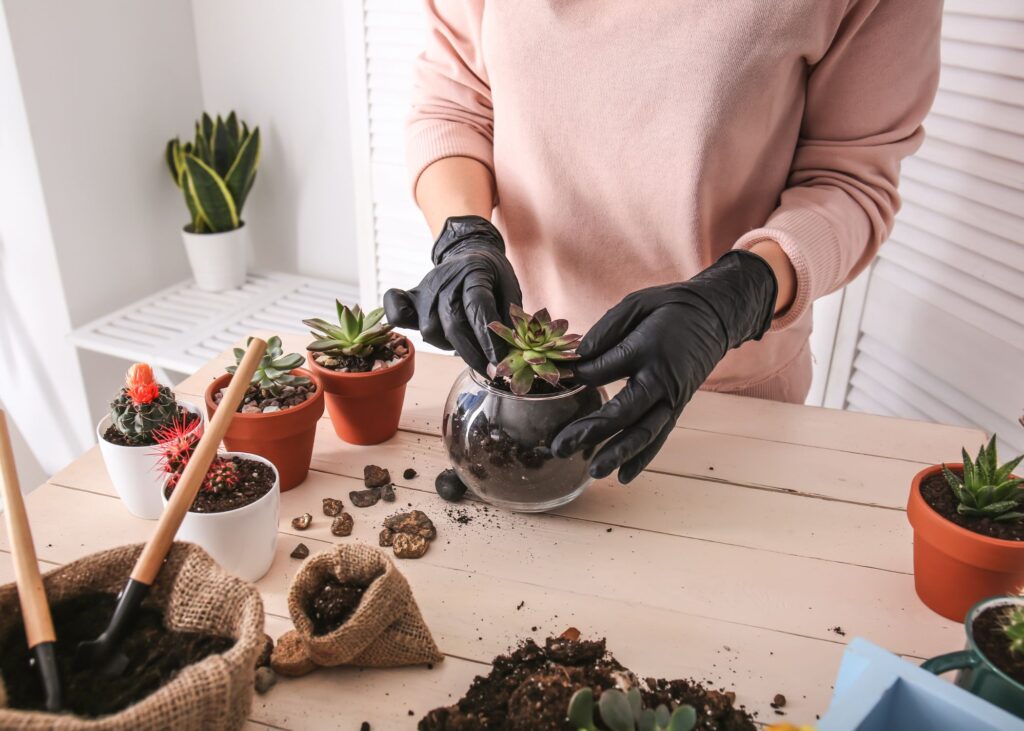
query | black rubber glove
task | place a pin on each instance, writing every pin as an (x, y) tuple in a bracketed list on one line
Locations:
[(665, 340), (471, 285)]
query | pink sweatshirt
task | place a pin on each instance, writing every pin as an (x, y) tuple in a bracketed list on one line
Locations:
[(633, 143)]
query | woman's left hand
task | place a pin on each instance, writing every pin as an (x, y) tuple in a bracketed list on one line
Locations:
[(665, 340)]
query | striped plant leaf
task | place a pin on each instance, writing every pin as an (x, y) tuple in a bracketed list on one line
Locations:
[(212, 197), (224, 149), (240, 177)]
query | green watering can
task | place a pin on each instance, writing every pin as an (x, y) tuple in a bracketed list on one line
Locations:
[(976, 674)]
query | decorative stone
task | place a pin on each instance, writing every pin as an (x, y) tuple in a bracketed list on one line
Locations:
[(332, 507), (408, 545), (409, 474), (300, 551), (449, 486), (271, 409), (415, 522), (342, 525), (364, 498), (374, 476), (387, 493), (266, 679), (386, 539), (302, 522)]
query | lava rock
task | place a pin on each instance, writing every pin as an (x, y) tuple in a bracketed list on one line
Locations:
[(449, 486), (364, 498), (387, 493), (410, 545), (386, 538), (302, 522), (409, 474), (342, 525), (374, 476), (300, 551), (266, 679), (332, 507), (415, 522)]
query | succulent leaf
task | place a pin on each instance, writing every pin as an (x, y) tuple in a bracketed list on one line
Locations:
[(615, 711), (986, 488), (357, 333), (273, 374), (536, 343)]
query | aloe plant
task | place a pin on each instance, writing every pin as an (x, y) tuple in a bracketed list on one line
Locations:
[(625, 712), (215, 171), (986, 488)]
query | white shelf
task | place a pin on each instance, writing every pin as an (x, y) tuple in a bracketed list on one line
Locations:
[(182, 327)]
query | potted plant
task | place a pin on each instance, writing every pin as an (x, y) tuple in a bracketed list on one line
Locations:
[(129, 434), (365, 367), (992, 665), (215, 172), (968, 522), (498, 430), (235, 514), (278, 414)]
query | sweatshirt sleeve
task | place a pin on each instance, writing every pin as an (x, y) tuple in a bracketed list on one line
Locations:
[(865, 100), (452, 114)]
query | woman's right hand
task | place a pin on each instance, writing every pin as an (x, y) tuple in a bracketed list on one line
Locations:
[(471, 285)]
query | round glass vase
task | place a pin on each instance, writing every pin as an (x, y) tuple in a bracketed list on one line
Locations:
[(499, 443)]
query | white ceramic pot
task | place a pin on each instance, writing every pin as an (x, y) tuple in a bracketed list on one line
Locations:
[(243, 540), (219, 261), (135, 471)]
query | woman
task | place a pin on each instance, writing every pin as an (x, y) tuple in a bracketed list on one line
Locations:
[(712, 167)]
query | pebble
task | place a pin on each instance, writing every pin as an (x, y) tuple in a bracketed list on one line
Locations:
[(414, 522), (387, 493), (342, 525), (302, 522), (409, 473), (364, 498), (332, 507), (374, 476), (300, 551), (250, 409), (779, 701), (409, 545), (271, 409), (266, 679), (265, 651), (449, 486), (386, 538)]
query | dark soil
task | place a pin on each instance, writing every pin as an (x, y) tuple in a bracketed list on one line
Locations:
[(257, 479), (257, 400), (529, 690), (333, 604), (155, 656), (113, 436), (355, 364), (992, 641), (938, 494), (540, 387)]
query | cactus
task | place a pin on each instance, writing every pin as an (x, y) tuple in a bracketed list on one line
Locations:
[(625, 712), (176, 446), (142, 406), (356, 334), (215, 171), (537, 345), (986, 488), (1013, 628), (273, 374)]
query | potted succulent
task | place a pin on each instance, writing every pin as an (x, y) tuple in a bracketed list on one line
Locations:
[(278, 414), (129, 435), (498, 429), (968, 522), (364, 367), (235, 514), (215, 172), (992, 665)]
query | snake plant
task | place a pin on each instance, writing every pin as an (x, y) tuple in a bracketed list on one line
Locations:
[(215, 171)]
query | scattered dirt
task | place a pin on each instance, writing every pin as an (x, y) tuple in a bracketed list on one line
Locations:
[(113, 436), (332, 507), (529, 689), (449, 486), (342, 525), (409, 474), (255, 480), (155, 656), (364, 498), (838, 630), (333, 604), (409, 533), (938, 494), (302, 522), (300, 551), (374, 476), (258, 400), (991, 640)]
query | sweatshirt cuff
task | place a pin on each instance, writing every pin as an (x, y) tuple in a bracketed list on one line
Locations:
[(813, 248), (428, 141)]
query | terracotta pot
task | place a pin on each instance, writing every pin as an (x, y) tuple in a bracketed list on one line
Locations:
[(284, 437), (955, 568), (365, 408)]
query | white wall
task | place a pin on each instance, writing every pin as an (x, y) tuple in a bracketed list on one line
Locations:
[(282, 65)]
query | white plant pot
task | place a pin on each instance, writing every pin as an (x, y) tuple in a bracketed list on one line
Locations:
[(242, 541), (219, 261), (135, 471)]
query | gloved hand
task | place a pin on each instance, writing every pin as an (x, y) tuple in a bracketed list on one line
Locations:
[(471, 285), (665, 340)]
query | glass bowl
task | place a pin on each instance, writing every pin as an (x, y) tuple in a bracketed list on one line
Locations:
[(499, 444)]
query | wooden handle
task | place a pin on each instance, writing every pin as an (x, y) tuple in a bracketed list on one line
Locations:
[(35, 610), (152, 557)]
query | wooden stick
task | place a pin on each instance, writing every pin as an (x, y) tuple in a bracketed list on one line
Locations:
[(152, 557), (35, 610)]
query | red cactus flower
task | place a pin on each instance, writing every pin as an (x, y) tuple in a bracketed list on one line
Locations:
[(140, 384)]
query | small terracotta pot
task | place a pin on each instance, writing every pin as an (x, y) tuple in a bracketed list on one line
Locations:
[(284, 437), (955, 568), (365, 408)]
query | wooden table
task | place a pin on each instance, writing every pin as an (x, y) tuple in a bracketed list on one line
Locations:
[(760, 530)]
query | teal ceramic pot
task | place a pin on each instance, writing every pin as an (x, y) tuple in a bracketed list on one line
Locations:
[(975, 673)]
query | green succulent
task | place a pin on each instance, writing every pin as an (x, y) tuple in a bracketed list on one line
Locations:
[(273, 374), (357, 333), (215, 171), (537, 344), (625, 712), (1013, 627), (986, 488)]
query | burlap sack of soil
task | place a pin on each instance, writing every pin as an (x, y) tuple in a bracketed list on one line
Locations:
[(196, 595), (386, 629)]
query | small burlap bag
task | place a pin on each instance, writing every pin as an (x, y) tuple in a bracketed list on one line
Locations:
[(195, 595), (385, 630)]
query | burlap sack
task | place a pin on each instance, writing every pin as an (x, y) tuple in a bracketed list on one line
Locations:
[(195, 594), (386, 629)]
